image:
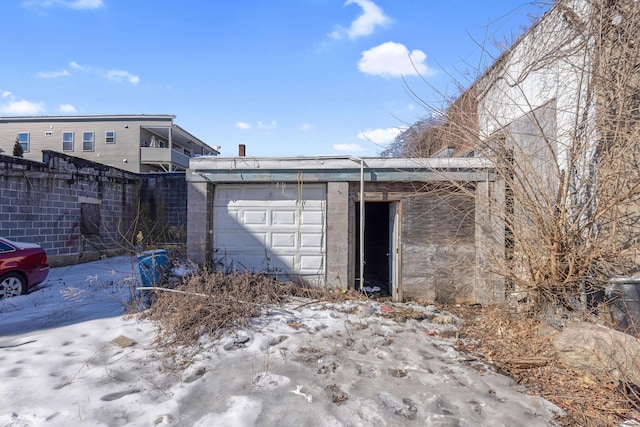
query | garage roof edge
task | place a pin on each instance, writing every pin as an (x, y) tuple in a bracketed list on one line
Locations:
[(327, 169)]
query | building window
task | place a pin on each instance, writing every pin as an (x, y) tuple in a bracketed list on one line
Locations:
[(23, 139), (110, 137), (87, 141), (67, 141)]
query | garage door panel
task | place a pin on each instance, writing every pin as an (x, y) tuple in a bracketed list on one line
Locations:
[(316, 192), (283, 240), (271, 192), (246, 240), (251, 263), (312, 218), (254, 240), (312, 263), (265, 227), (283, 217), (312, 241), (224, 236), (277, 192), (226, 219), (255, 217), (283, 262), (227, 194), (291, 191)]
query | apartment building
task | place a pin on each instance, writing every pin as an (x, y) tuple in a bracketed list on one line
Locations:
[(138, 143)]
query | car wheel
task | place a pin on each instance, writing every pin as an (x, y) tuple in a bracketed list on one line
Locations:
[(11, 285)]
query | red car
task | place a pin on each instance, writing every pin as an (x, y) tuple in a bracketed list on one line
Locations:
[(22, 266)]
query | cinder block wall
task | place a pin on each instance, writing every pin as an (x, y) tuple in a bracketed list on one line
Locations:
[(200, 233), (79, 210), (163, 200), (338, 235)]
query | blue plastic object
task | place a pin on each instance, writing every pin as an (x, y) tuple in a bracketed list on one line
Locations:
[(152, 265)]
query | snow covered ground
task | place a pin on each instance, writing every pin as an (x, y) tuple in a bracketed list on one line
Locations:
[(70, 358)]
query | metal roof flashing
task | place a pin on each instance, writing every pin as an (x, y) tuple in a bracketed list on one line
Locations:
[(336, 169)]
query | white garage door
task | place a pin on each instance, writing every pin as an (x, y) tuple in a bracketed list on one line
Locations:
[(275, 228)]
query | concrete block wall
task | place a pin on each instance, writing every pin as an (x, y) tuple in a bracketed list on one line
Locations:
[(164, 202), (76, 209), (200, 206), (337, 238), (490, 287)]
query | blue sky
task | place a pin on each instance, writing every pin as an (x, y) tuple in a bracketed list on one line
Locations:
[(283, 77)]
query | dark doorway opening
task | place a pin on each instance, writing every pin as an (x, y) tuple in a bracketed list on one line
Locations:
[(377, 248)]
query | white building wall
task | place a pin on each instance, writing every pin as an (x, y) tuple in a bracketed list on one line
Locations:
[(549, 63)]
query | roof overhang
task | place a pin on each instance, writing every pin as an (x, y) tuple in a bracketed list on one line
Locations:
[(91, 118), (336, 169)]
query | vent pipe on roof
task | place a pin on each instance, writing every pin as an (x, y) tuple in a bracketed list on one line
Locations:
[(242, 150)]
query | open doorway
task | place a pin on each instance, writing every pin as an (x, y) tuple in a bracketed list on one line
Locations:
[(380, 249)]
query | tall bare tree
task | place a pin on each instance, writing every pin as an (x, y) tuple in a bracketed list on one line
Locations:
[(558, 114)]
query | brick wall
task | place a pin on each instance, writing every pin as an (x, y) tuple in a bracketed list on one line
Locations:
[(79, 210)]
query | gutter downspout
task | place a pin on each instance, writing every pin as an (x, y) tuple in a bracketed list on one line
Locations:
[(358, 159)]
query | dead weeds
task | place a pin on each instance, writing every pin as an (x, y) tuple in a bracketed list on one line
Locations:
[(215, 303), (402, 314), (336, 395), (310, 354), (522, 349)]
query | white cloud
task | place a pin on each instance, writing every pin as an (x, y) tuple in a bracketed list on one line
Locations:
[(22, 108), (306, 126), (114, 75), (365, 24), (85, 4), (118, 76), (380, 136), (347, 147), (67, 108), (6, 94), (260, 125), (272, 125), (121, 75), (75, 65), (53, 74), (392, 59), (70, 4)]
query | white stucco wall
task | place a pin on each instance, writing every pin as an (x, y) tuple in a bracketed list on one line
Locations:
[(550, 63)]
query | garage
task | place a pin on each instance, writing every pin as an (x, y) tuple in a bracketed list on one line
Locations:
[(404, 229), (276, 228)]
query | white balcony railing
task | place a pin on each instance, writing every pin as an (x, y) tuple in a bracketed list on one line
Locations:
[(167, 156)]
